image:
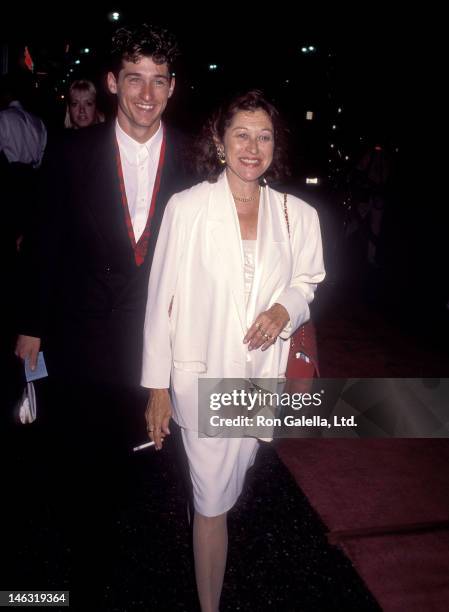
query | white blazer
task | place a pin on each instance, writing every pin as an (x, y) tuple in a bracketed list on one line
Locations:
[(198, 262)]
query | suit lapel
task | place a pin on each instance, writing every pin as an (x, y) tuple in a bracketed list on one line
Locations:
[(270, 237), (271, 242), (168, 186), (225, 231), (104, 199), (266, 256)]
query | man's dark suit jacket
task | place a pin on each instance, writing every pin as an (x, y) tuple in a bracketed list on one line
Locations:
[(91, 296)]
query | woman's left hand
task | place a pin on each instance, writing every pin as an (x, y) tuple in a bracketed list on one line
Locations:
[(267, 327)]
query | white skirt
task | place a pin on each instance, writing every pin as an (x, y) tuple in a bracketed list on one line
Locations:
[(217, 465), (218, 468)]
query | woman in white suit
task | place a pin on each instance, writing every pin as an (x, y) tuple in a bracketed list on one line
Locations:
[(230, 282)]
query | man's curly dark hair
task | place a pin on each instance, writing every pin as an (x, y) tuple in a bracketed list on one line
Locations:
[(129, 44)]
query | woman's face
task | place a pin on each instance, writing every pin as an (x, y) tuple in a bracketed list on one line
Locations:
[(249, 145), (82, 108)]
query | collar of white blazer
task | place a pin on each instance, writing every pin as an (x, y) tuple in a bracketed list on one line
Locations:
[(225, 229)]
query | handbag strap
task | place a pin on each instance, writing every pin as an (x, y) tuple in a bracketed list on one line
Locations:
[(286, 214), (298, 339)]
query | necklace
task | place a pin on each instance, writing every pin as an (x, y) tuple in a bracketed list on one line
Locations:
[(246, 200)]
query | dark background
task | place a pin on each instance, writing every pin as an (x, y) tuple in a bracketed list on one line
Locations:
[(366, 63), (356, 66)]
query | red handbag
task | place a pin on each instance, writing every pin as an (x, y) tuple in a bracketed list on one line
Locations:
[(302, 365)]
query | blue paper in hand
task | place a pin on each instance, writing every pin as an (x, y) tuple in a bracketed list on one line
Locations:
[(39, 372)]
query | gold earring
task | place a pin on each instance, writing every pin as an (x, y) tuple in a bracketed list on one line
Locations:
[(221, 156)]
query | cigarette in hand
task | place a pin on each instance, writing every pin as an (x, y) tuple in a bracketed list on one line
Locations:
[(142, 446)]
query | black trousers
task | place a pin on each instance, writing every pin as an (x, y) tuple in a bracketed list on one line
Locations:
[(88, 432), (84, 486)]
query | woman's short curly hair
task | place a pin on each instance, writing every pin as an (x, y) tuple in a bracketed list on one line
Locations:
[(130, 44), (207, 163)]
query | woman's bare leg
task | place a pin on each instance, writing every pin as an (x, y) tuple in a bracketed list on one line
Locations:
[(210, 549)]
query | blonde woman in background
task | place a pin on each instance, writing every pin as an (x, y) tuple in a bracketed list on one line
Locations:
[(81, 108)]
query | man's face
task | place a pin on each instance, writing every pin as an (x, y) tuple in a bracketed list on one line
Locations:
[(142, 89)]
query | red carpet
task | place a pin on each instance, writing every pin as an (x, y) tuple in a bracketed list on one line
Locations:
[(407, 573), (395, 491), (357, 340), (383, 484)]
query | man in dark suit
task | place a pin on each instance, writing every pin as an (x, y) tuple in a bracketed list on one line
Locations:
[(105, 190), (104, 193)]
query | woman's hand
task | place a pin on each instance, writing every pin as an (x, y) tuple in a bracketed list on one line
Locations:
[(267, 327), (157, 416)]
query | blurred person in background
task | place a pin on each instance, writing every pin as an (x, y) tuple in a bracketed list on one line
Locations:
[(81, 109)]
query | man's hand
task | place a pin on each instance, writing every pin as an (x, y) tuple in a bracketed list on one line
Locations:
[(28, 346), (157, 415), (267, 327)]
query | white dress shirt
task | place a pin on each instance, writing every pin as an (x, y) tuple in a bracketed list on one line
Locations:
[(22, 135), (139, 167)]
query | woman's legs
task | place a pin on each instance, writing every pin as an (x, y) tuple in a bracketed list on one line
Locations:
[(217, 470), (210, 549)]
